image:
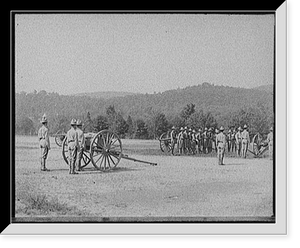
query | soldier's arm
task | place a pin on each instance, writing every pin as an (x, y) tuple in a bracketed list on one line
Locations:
[(47, 138)]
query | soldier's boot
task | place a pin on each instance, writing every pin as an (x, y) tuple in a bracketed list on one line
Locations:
[(73, 168), (43, 165), (70, 167)]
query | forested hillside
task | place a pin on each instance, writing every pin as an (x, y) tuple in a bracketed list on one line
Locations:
[(148, 115)]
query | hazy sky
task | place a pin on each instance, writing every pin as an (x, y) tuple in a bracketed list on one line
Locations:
[(75, 53)]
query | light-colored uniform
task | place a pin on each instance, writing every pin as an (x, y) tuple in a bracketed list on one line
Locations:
[(245, 141), (180, 142), (221, 143), (173, 140), (81, 144), (72, 141), (44, 144), (270, 142), (238, 141)]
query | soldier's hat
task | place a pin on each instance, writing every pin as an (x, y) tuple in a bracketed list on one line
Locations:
[(239, 128), (210, 129), (200, 129), (44, 119), (229, 131), (271, 128), (245, 126), (221, 128), (173, 127), (205, 128), (216, 130), (190, 129), (73, 122), (185, 127), (79, 123), (194, 131), (181, 129)]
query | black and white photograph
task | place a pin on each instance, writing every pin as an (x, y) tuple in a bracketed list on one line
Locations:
[(144, 117)]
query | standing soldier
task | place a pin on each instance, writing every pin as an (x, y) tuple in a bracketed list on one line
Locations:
[(209, 140), (72, 141), (173, 139), (228, 138), (44, 142), (215, 140), (180, 141), (238, 140), (193, 141), (233, 143), (221, 142), (190, 141), (185, 140), (81, 143), (245, 141), (204, 135), (199, 140), (270, 143)]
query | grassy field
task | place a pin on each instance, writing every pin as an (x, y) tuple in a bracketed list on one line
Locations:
[(179, 188)]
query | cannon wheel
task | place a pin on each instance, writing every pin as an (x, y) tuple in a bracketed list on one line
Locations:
[(105, 150), (165, 143), (85, 160), (59, 137)]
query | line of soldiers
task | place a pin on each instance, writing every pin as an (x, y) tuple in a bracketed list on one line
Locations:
[(75, 142), (190, 141)]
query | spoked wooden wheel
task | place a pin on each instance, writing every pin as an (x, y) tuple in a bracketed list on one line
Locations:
[(165, 143), (59, 138), (106, 150), (85, 160)]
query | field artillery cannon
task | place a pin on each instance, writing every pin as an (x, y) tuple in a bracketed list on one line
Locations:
[(257, 146), (102, 149)]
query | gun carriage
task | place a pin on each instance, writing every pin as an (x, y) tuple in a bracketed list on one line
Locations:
[(102, 149)]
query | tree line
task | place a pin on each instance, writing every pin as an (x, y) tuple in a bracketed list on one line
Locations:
[(147, 116)]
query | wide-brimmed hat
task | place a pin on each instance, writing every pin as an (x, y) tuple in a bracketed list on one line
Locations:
[(205, 129), (271, 128), (245, 126), (239, 128), (44, 119), (181, 129), (229, 131), (221, 128), (173, 127), (73, 122), (78, 123)]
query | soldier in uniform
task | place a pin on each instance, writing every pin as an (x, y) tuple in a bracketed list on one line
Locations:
[(228, 139), (204, 136), (193, 141), (270, 143), (180, 141), (173, 139), (44, 142), (233, 143), (81, 143), (238, 141), (215, 139), (245, 141), (199, 140), (209, 140), (221, 143), (185, 140), (72, 141)]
